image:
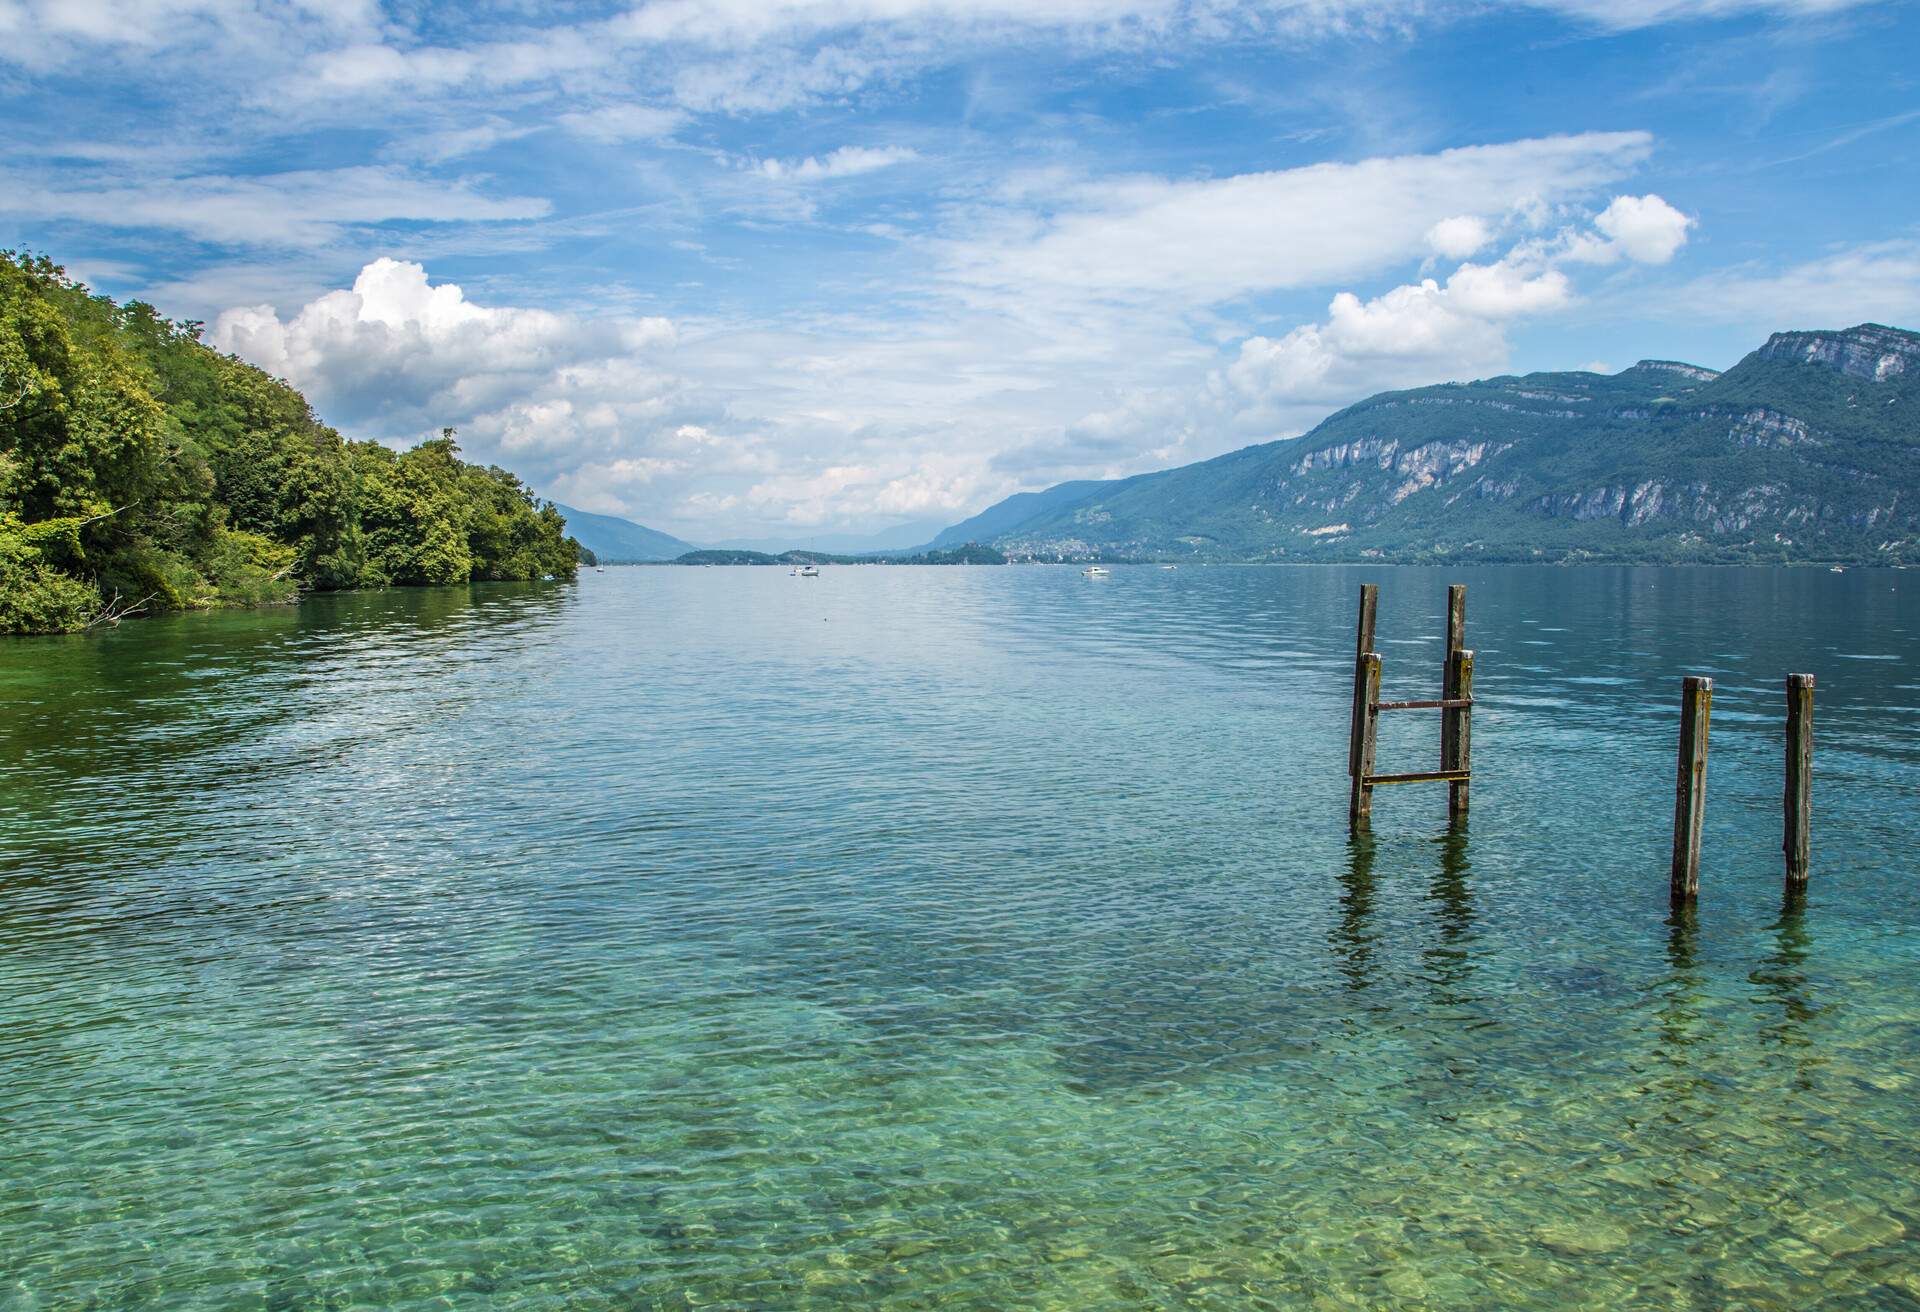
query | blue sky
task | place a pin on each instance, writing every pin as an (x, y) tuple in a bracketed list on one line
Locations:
[(781, 268)]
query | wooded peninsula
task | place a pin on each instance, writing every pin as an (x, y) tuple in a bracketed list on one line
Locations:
[(142, 471)]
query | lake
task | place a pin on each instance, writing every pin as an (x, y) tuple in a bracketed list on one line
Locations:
[(956, 937)]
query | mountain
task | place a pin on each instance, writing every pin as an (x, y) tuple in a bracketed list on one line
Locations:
[(900, 538), (615, 541), (1808, 449), (1019, 508)]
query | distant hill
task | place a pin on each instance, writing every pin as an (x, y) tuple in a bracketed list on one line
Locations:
[(1018, 509), (969, 554), (1808, 449), (615, 541), (900, 538)]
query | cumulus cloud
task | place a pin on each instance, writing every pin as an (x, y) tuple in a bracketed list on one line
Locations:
[(1415, 333), (395, 356), (594, 411), (1503, 290), (1459, 236), (1643, 228), (1428, 331)]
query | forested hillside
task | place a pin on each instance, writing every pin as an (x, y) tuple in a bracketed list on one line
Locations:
[(1807, 450), (140, 471)]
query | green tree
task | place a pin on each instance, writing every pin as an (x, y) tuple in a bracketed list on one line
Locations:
[(141, 470)]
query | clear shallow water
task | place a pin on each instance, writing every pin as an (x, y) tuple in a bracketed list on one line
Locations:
[(955, 937)]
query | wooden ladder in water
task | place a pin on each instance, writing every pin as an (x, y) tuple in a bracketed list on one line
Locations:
[(1455, 704)]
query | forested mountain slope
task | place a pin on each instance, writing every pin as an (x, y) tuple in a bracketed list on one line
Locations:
[(140, 470), (1808, 449)]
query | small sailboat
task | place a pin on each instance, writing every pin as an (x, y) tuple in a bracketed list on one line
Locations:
[(809, 571)]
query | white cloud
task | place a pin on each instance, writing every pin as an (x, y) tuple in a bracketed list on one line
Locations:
[(1457, 237), (437, 147), (1640, 229), (1200, 243), (280, 209), (1502, 290), (623, 123), (1417, 333), (1871, 282), (37, 32), (1428, 332), (396, 355), (838, 419), (1644, 228), (596, 412), (1623, 14), (376, 66), (935, 483), (845, 162)]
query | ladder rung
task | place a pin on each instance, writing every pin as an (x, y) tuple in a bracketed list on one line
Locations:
[(1421, 777), (1438, 704)]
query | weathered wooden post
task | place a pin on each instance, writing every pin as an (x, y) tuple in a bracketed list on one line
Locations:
[(1456, 685), (1690, 788), (1366, 723), (1456, 618), (1799, 799), (1456, 728), (1362, 648)]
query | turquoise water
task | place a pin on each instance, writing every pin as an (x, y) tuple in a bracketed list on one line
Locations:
[(961, 938)]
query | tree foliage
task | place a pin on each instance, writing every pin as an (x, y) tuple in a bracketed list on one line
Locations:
[(140, 470)]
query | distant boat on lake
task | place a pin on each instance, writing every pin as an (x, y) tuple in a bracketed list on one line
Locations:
[(1096, 571), (809, 571)]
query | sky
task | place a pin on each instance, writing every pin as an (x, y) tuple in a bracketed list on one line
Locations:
[(785, 268)]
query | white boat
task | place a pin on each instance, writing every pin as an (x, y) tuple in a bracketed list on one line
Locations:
[(1835, 570), (809, 571), (1169, 567), (1096, 571)]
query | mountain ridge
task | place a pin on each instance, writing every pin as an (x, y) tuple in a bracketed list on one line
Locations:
[(617, 541), (1807, 449)]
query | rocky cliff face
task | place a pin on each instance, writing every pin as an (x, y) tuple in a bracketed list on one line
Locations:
[(1807, 449), (1870, 351)]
